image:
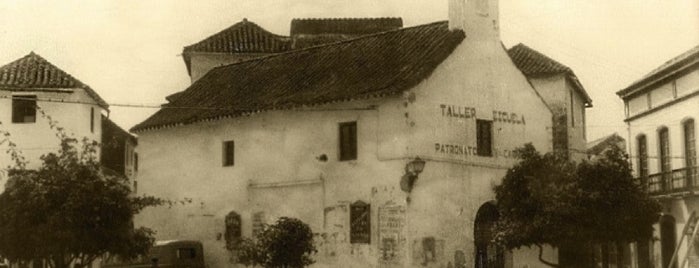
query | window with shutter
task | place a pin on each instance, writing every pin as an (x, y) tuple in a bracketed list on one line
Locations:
[(228, 153), (23, 109), (348, 141), (484, 137)]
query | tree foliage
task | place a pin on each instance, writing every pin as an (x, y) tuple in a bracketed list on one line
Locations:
[(287, 243), (546, 199), (68, 210)]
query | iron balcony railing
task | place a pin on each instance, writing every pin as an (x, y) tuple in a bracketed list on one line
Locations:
[(676, 181)]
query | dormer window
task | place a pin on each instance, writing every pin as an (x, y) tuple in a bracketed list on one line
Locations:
[(23, 109)]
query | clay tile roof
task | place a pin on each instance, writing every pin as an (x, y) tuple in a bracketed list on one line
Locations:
[(242, 37), (34, 73), (370, 66), (664, 69), (535, 64), (597, 146), (350, 26), (532, 62)]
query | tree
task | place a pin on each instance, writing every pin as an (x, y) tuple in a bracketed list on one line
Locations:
[(287, 243), (68, 211), (546, 199)]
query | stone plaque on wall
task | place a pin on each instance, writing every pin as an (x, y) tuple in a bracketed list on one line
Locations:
[(391, 237), (258, 222), (360, 223)]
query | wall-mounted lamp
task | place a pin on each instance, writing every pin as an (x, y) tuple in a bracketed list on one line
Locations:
[(412, 170)]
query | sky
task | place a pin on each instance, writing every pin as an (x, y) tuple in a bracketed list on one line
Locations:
[(129, 51)]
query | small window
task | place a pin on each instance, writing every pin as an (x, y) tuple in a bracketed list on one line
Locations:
[(348, 141), (186, 253), (23, 109), (484, 137), (92, 120), (228, 153), (135, 162)]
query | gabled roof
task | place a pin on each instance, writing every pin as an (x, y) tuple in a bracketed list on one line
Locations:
[(535, 64), (367, 67), (597, 146), (349, 26), (242, 37), (34, 73), (684, 59)]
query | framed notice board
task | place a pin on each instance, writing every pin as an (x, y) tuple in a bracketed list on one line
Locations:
[(360, 223)]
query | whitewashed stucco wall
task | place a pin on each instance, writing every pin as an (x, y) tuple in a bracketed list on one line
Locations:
[(36, 139)]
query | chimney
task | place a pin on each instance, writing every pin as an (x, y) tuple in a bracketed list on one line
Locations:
[(479, 19)]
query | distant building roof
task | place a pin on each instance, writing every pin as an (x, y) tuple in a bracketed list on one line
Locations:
[(313, 32), (597, 146), (366, 67), (242, 37), (111, 131), (666, 68), (248, 37), (535, 64), (34, 73), (349, 26)]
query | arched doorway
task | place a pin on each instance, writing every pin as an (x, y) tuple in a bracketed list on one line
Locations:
[(488, 254), (668, 239)]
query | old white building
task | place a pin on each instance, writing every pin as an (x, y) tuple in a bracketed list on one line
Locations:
[(333, 124), (32, 82), (661, 113)]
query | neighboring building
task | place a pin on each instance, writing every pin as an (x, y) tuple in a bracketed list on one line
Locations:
[(332, 133), (32, 82), (119, 150), (563, 92), (32, 90), (661, 113), (599, 146)]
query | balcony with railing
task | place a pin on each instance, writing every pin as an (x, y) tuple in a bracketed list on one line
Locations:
[(683, 181)]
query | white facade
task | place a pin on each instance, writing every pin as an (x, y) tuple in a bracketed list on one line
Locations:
[(73, 109), (667, 101), (287, 164)]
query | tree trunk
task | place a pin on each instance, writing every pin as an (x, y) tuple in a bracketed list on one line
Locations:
[(579, 255), (59, 262)]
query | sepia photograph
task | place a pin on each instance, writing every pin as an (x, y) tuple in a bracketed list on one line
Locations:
[(349, 133)]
